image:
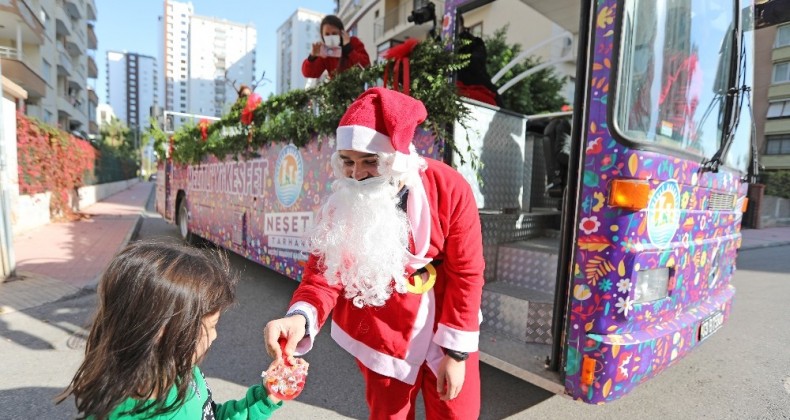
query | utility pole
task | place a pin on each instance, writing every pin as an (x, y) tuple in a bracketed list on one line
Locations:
[(7, 259)]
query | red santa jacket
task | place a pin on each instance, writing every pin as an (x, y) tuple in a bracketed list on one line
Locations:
[(395, 339), (357, 56)]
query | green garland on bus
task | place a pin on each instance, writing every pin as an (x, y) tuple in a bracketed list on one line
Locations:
[(297, 116)]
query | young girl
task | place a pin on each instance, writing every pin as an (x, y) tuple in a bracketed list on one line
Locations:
[(157, 315)]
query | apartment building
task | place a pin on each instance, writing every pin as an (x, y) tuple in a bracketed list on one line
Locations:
[(48, 48), (132, 87), (772, 96), (550, 34), (201, 58), (294, 42)]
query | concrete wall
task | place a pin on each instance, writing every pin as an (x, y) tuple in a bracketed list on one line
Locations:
[(774, 211), (31, 211), (91, 194)]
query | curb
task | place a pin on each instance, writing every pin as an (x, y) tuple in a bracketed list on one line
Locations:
[(764, 245), (130, 236)]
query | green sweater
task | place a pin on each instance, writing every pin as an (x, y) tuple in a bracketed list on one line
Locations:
[(199, 405)]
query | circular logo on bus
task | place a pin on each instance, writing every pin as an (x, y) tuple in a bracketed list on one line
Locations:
[(663, 214), (288, 175)]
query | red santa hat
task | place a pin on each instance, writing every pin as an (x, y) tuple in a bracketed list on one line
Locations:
[(381, 120)]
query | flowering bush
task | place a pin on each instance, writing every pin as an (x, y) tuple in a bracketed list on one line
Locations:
[(51, 160)]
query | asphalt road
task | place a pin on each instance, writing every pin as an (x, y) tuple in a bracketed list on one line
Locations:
[(743, 371)]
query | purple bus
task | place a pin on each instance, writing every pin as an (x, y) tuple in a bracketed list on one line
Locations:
[(634, 269)]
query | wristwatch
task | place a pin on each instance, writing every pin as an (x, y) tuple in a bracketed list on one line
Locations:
[(457, 355)]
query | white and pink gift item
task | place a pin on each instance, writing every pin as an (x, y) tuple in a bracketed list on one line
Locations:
[(285, 380)]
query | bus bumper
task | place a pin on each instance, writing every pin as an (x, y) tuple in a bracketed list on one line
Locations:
[(616, 363)]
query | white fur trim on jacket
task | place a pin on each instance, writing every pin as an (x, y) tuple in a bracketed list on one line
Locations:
[(451, 338), (419, 211), (420, 346), (306, 343)]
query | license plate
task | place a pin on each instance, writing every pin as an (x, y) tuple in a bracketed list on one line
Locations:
[(710, 325)]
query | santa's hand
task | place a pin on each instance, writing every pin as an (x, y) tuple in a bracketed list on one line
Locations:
[(450, 378), (290, 330)]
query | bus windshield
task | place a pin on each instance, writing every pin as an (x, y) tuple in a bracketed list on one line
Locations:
[(672, 85)]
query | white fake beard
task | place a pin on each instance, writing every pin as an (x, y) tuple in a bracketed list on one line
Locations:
[(362, 237)]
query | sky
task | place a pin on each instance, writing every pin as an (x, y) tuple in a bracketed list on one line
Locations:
[(133, 26)]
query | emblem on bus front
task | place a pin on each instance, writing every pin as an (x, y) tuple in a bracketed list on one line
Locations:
[(288, 175), (663, 214)]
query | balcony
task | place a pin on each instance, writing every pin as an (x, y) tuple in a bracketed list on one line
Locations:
[(19, 11), (395, 23), (73, 9), (93, 43), (90, 10), (64, 62), (61, 28), (93, 98), (73, 48), (93, 70), (71, 106), (18, 72)]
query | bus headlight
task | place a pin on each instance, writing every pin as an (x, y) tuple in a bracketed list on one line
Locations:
[(651, 284)]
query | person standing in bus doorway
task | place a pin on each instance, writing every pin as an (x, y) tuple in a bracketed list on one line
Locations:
[(336, 52), (558, 134), (397, 253)]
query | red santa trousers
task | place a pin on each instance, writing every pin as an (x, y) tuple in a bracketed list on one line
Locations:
[(389, 398)]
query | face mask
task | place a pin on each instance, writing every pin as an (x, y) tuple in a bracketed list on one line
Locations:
[(332, 40)]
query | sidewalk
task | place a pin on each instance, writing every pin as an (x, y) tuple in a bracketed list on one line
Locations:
[(60, 259)]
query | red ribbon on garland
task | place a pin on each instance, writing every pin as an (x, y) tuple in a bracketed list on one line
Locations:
[(171, 147), (203, 125), (400, 56), (252, 103)]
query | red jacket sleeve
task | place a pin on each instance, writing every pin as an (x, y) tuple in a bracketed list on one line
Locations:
[(463, 264), (315, 290), (315, 68), (358, 55)]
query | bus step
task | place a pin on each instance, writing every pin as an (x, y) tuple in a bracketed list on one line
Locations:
[(522, 360), (530, 264), (520, 313)]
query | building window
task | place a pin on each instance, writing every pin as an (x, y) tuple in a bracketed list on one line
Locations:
[(779, 109), (782, 72), (782, 36), (777, 145)]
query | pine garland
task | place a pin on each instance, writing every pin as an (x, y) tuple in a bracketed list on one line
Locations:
[(297, 116)]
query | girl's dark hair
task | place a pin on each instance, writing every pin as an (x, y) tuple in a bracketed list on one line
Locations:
[(151, 303), (331, 20)]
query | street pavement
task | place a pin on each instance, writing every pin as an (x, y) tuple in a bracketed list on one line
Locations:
[(58, 266)]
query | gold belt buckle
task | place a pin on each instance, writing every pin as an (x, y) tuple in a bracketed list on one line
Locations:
[(419, 287)]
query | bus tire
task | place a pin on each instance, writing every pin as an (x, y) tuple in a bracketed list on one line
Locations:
[(182, 222)]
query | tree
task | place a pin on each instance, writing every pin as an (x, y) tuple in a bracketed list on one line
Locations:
[(535, 94), (118, 154)]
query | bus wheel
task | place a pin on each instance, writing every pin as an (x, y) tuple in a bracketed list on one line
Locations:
[(183, 219)]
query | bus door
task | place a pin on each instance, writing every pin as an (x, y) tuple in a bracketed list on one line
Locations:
[(651, 223)]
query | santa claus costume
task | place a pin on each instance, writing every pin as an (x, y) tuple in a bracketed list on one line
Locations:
[(398, 310)]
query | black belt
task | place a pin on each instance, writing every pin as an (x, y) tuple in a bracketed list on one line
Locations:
[(421, 270)]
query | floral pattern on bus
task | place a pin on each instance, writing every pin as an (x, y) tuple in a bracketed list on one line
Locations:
[(690, 228)]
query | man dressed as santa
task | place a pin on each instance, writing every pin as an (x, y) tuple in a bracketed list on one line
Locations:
[(397, 252)]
